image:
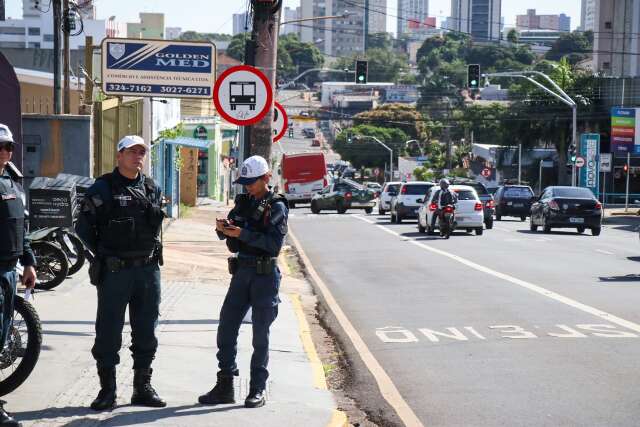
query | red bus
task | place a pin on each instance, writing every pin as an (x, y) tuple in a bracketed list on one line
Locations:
[(303, 175)]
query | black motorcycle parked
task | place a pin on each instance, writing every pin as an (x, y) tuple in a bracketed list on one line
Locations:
[(52, 263)]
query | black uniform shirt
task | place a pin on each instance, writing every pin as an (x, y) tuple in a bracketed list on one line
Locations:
[(11, 192)]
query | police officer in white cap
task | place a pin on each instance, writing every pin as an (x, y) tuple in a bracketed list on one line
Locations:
[(254, 230), (14, 246), (120, 223)]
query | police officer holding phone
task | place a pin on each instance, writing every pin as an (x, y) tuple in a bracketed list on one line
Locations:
[(14, 246), (254, 230), (120, 222)]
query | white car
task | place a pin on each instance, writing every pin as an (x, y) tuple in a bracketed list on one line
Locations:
[(409, 199), (389, 191), (469, 213)]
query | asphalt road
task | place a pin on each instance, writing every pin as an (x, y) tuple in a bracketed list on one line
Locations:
[(511, 328)]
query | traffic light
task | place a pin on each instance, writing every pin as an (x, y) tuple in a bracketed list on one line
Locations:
[(473, 76), (361, 72), (349, 138), (572, 153), (625, 168)]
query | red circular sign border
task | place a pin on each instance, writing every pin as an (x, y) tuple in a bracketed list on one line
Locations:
[(286, 122), (224, 114)]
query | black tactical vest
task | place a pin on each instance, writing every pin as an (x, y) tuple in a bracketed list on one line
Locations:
[(11, 219), (126, 228), (245, 216)]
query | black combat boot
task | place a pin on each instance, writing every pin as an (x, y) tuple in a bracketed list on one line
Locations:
[(255, 399), (143, 393), (107, 396), (7, 420), (222, 393)]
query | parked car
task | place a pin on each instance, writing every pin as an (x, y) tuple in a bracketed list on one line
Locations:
[(373, 186), (486, 198), (309, 132), (469, 214), (342, 195), (513, 200), (567, 207), (389, 190), (408, 200)]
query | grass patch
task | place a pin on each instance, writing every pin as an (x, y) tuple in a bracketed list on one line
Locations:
[(185, 211), (328, 368)]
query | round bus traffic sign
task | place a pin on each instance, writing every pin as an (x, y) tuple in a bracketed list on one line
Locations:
[(280, 121), (242, 95), (580, 162), (486, 172)]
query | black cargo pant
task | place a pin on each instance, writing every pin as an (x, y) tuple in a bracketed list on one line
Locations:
[(139, 288)]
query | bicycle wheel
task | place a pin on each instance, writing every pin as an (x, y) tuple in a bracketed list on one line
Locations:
[(22, 347)]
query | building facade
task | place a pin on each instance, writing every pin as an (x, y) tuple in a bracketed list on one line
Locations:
[(587, 15), (342, 36), (241, 23), (35, 29), (412, 16), (151, 26), (532, 21), (479, 18), (616, 44), (290, 14)]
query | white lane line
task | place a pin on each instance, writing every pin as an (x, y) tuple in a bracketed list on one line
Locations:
[(506, 230), (527, 285), (602, 251), (386, 386)]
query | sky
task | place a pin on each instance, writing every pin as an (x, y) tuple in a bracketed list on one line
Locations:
[(214, 16)]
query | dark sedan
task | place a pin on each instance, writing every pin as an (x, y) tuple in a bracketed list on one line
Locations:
[(513, 200), (567, 207)]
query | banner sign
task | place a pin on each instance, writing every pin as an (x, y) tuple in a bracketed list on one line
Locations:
[(625, 130), (589, 174), (162, 68)]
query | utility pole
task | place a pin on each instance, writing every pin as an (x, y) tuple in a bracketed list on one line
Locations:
[(266, 26), (88, 66), (366, 26), (57, 22), (66, 60), (2, 15)]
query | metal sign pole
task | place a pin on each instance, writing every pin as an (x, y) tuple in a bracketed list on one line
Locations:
[(626, 200), (540, 178)]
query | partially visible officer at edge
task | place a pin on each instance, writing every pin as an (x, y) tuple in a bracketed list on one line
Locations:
[(255, 229), (120, 222), (14, 246)]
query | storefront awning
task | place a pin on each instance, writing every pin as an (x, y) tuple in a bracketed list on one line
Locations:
[(202, 144)]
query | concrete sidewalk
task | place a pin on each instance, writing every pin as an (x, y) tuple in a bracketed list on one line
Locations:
[(195, 280)]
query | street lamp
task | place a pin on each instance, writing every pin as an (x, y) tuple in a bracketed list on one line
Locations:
[(562, 96), (385, 146), (406, 144)]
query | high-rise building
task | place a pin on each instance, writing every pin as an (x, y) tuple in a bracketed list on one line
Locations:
[(413, 19), (377, 16), (241, 23), (587, 15), (289, 14), (342, 36), (479, 18), (616, 45), (532, 21)]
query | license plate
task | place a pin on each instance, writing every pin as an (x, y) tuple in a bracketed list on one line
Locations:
[(576, 220), (461, 218), (518, 205)]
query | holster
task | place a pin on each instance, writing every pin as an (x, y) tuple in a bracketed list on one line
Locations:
[(233, 264), (264, 266), (95, 271)]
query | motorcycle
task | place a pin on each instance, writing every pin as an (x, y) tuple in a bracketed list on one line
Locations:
[(22, 346), (68, 242), (52, 264), (447, 221)]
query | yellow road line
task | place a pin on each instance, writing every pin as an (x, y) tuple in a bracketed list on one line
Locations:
[(387, 388), (319, 380)]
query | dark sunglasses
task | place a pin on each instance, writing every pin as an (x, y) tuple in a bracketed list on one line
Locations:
[(7, 146)]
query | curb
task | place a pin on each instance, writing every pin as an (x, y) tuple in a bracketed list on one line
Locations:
[(623, 214)]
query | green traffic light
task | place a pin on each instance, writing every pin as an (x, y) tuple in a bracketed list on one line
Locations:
[(361, 78)]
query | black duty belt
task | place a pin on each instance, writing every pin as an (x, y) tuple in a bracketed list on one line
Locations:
[(253, 261), (8, 264), (116, 264)]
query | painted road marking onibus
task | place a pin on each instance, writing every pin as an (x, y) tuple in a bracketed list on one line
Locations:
[(522, 283)]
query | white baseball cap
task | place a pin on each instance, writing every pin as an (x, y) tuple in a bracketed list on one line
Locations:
[(252, 169), (130, 141), (5, 134)]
